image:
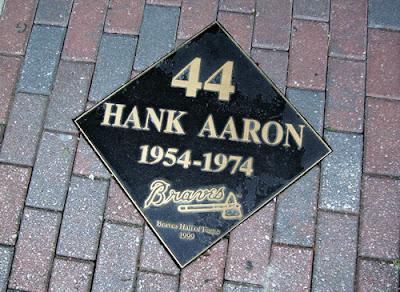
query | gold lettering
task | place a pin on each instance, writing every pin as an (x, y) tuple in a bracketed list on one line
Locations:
[(298, 138), (250, 128), (265, 133), (209, 127), (157, 193), (134, 119), (230, 129), (157, 121), (173, 125), (109, 113)]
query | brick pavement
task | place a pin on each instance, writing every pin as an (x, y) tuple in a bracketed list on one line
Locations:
[(67, 226)]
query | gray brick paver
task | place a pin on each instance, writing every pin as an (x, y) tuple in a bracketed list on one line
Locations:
[(6, 256), (82, 220), (157, 35), (53, 12), (113, 66), (52, 171), (41, 60)]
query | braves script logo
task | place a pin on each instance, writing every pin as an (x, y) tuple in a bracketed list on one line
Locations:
[(161, 193)]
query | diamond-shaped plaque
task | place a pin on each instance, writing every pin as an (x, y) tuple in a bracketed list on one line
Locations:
[(200, 141)]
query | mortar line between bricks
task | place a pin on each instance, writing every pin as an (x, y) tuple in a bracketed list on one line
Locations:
[(340, 131), (361, 202), (150, 271), (280, 244), (134, 54), (382, 98), (8, 54), (53, 131), (100, 237), (318, 211), (73, 259), (247, 285), (374, 259), (15, 164), (86, 176), (312, 18), (122, 223), (346, 58), (338, 212), (136, 276)]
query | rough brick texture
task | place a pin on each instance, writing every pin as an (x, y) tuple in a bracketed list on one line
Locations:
[(274, 64), (88, 163), (335, 252), (345, 95), (157, 35), (35, 250), (9, 69), (249, 248), (195, 15), (377, 276), (120, 208), (245, 6), (23, 129), (82, 220), (207, 272), (296, 211), (69, 95), (383, 64), (231, 287), (117, 259), (54, 12), (380, 218), (272, 25), (290, 269), (311, 105), (156, 282), (41, 60), (52, 171), (384, 14), (154, 257), (308, 55), (113, 66), (348, 30), (311, 9), (240, 26), (68, 275), (13, 187), (341, 173), (124, 16), (382, 132), (6, 256), (165, 2), (84, 30), (15, 25)]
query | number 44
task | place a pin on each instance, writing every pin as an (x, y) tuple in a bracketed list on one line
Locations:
[(220, 81)]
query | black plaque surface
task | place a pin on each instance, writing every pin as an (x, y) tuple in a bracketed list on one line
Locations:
[(200, 141)]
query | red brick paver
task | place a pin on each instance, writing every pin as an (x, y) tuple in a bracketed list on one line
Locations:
[(165, 2), (240, 26), (308, 55), (345, 95), (13, 188), (9, 69), (195, 15), (246, 6), (207, 272), (380, 218), (119, 207), (15, 25), (124, 16), (290, 269), (348, 29), (249, 248), (84, 30), (35, 250), (272, 25), (383, 63), (382, 137), (156, 282), (377, 276), (69, 275)]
